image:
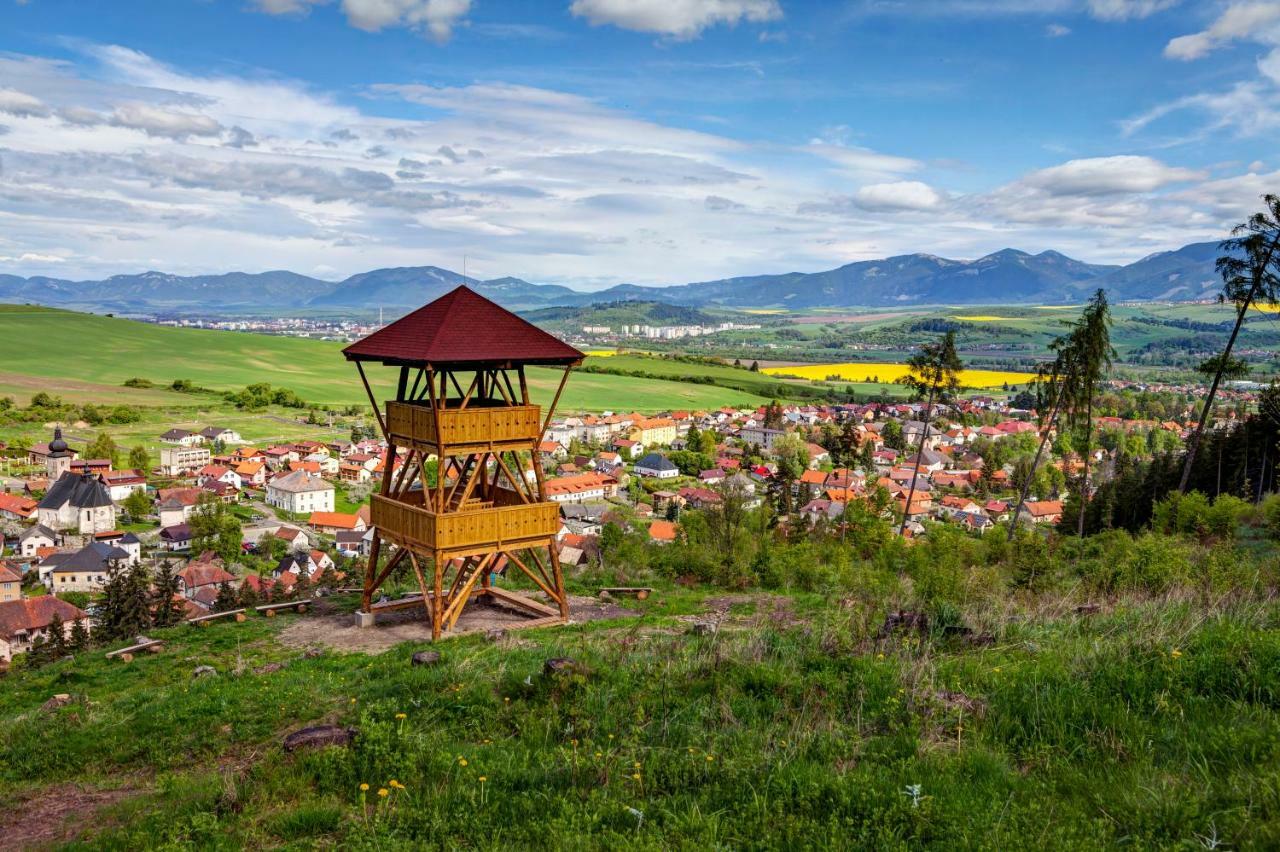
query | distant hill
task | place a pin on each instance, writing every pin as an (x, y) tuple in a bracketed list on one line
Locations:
[(622, 312), (1006, 276)]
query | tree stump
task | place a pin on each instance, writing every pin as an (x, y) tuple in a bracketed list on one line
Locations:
[(154, 649), (128, 658), (319, 736), (62, 699), (271, 613), (425, 658), (302, 608), (239, 618)]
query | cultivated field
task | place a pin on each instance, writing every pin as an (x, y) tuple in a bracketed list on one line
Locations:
[(867, 371)]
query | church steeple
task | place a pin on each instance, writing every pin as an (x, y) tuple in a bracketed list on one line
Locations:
[(58, 461)]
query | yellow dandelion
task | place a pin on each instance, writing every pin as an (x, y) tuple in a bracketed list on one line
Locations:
[(879, 656), (710, 758), (483, 778), (1175, 653), (402, 715), (637, 764), (506, 700), (383, 792), (353, 701), (692, 749), (636, 776), (462, 761), (611, 736), (996, 670), (364, 788), (599, 754), (393, 783)]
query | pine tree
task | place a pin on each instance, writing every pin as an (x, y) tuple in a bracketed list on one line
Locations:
[(1250, 272), (935, 376), (126, 604), (226, 599), (57, 632), (79, 636), (39, 653), (165, 607), (246, 596)]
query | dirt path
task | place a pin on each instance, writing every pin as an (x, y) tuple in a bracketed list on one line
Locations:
[(54, 816), (340, 633)]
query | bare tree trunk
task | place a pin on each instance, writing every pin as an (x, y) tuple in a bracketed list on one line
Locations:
[(924, 436), (1194, 445), (1084, 477), (1035, 463)]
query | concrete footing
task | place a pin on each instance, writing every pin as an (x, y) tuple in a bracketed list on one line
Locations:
[(364, 619)]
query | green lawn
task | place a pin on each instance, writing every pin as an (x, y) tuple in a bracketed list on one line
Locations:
[(86, 358)]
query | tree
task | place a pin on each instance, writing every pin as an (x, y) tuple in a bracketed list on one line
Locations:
[(165, 609), (1095, 356), (214, 527), (792, 456), (139, 458), (79, 636), (226, 599), (126, 605), (934, 375), (57, 632), (137, 505), (891, 435), (103, 447), (1250, 270)]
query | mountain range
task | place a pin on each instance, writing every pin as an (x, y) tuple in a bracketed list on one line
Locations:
[(1007, 276)]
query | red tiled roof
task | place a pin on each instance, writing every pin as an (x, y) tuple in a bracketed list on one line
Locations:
[(462, 327), (34, 613)]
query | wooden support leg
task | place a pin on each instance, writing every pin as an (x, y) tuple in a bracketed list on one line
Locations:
[(370, 573), (437, 605), (558, 575), (426, 597)]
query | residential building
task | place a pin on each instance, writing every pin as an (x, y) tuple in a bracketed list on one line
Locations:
[(10, 583), (178, 460), (581, 488), (85, 570), (16, 508), (656, 466), (177, 505), (334, 522), (301, 493), (182, 437), (34, 538), (214, 434), (121, 483), (27, 619), (176, 537)]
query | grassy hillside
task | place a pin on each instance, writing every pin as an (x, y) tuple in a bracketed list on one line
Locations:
[(1149, 724), (83, 356)]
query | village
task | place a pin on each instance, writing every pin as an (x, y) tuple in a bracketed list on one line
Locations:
[(236, 525)]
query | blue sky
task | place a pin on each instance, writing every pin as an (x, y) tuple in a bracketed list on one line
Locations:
[(594, 142)]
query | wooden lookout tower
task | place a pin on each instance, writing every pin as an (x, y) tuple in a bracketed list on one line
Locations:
[(462, 398)]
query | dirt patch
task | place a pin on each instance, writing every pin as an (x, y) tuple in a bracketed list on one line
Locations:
[(339, 632), (54, 815)]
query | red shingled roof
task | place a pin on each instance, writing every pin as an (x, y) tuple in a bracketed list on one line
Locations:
[(461, 327)]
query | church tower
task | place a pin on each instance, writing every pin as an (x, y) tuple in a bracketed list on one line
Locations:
[(60, 455)]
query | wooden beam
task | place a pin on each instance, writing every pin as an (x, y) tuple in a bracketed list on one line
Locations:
[(521, 601), (377, 410), (532, 576), (551, 409), (511, 477)]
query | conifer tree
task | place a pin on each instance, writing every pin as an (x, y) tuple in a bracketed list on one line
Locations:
[(226, 599), (166, 610), (79, 636), (934, 376), (57, 642)]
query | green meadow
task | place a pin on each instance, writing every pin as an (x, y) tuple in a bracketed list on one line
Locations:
[(84, 357)]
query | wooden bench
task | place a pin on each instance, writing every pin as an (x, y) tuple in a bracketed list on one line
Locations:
[(202, 620), (637, 592), (397, 604), (270, 610), (153, 646)]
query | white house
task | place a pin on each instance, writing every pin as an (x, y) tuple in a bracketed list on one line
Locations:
[(216, 433), (657, 466), (24, 620), (176, 460), (300, 492), (33, 538), (183, 438)]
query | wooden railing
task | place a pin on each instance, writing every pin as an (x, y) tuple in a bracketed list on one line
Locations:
[(415, 423), (493, 527)]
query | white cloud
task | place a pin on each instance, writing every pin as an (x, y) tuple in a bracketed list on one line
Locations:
[(1253, 20), (436, 17), (286, 7), (21, 104), (1123, 10), (155, 121), (1108, 176), (135, 164), (681, 19), (899, 195), (1057, 31), (32, 257)]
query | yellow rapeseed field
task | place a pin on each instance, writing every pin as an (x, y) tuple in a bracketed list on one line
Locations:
[(864, 372), (600, 353)]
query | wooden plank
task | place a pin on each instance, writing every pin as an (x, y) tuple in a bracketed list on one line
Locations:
[(283, 605), (640, 592), (141, 646), (521, 601), (200, 619)]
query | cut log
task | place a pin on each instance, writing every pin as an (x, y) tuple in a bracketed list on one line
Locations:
[(214, 616), (143, 644), (637, 592), (425, 658), (319, 736)]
